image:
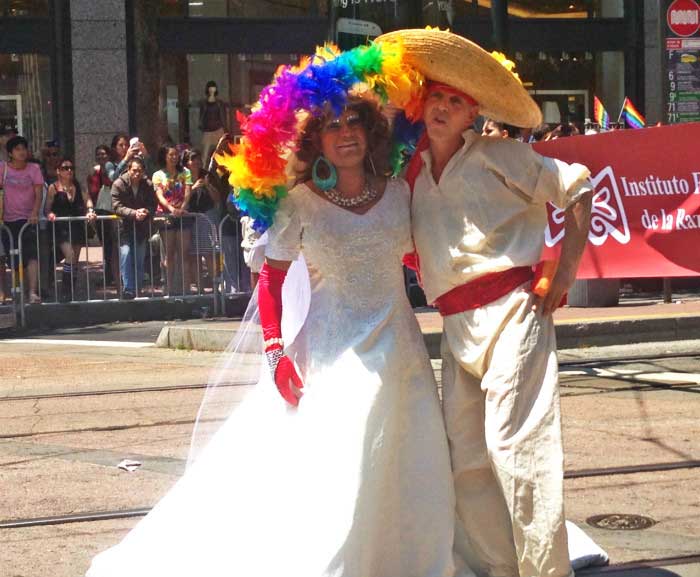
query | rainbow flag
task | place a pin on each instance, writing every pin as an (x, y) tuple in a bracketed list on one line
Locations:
[(632, 116), (600, 115)]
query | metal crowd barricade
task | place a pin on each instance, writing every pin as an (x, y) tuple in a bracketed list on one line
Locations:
[(8, 319), (99, 221), (54, 257), (203, 242), (230, 271), (207, 247), (200, 224), (110, 220), (138, 292), (20, 268)]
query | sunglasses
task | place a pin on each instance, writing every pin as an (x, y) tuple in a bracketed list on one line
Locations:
[(66, 168), (52, 154), (351, 121)]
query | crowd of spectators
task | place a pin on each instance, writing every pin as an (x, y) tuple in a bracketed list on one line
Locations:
[(543, 132), (169, 210)]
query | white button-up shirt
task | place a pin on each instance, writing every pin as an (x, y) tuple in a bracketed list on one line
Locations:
[(487, 213)]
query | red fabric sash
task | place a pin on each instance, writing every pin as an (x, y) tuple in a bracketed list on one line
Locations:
[(482, 290)]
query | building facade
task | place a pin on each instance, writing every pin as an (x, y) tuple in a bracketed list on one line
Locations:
[(79, 71)]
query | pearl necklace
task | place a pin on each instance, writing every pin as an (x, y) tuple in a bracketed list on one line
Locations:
[(368, 194)]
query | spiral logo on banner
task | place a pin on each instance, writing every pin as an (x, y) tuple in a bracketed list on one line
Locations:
[(645, 219), (683, 17), (608, 218)]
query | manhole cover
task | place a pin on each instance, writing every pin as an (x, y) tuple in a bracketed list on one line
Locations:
[(620, 522)]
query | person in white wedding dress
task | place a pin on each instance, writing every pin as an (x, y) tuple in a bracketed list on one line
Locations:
[(342, 469)]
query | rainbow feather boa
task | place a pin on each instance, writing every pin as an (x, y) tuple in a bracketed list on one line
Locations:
[(257, 165)]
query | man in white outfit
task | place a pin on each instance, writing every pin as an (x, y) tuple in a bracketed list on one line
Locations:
[(479, 215)]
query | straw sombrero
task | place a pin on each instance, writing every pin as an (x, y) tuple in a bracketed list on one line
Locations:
[(451, 59)]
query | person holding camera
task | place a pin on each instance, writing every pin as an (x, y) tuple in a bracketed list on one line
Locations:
[(123, 150)]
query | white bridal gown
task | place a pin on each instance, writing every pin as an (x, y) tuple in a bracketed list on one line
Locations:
[(356, 482)]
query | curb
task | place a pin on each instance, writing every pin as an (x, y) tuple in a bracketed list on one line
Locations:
[(62, 315), (194, 338), (574, 335), (570, 335)]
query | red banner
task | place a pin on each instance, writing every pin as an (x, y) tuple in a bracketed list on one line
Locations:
[(646, 208)]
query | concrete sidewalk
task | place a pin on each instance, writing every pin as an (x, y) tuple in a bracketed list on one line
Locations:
[(633, 321)]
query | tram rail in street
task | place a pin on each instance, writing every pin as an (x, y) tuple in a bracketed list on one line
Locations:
[(107, 429), (90, 517), (87, 517), (626, 359), (631, 469), (160, 389), (640, 564), (568, 364)]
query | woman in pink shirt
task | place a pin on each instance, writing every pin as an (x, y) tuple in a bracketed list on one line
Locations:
[(23, 183)]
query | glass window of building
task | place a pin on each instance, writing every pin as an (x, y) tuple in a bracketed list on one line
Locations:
[(445, 14), (564, 83), (239, 78), (565, 8), (172, 8), (29, 8), (243, 8), (356, 22), (25, 97), (530, 8)]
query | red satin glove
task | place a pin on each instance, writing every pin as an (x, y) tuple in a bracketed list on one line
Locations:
[(270, 305)]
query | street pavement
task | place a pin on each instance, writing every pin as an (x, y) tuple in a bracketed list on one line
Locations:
[(59, 455)]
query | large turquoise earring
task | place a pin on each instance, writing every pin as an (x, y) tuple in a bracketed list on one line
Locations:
[(324, 183)]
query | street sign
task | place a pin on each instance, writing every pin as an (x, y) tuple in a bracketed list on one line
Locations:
[(683, 17), (682, 62)]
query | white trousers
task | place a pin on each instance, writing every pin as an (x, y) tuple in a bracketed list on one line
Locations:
[(501, 406)]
